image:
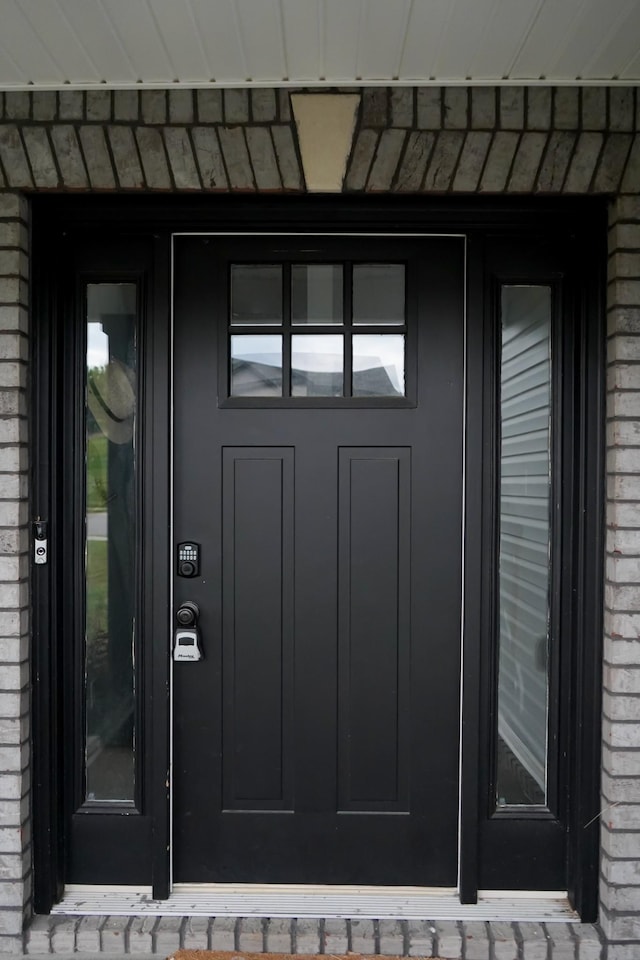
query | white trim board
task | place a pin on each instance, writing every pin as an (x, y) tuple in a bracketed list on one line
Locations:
[(293, 900), (352, 84)]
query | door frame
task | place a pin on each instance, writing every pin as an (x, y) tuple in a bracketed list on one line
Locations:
[(581, 221)]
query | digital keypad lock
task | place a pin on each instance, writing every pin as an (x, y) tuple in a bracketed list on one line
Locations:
[(188, 559)]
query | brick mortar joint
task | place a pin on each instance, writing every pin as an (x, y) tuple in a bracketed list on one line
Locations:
[(132, 123)]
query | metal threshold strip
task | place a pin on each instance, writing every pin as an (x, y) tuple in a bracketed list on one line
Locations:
[(313, 902)]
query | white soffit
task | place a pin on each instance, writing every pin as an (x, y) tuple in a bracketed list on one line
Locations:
[(154, 43)]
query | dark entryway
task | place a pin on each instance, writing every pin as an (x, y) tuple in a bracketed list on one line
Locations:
[(320, 389), (318, 437)]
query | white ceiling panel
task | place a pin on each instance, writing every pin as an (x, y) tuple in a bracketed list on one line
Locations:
[(546, 39), (88, 25), (12, 73), (62, 41), (464, 34), (341, 19), (262, 35), (382, 32), (138, 33), (620, 43), (590, 30), (121, 43), (220, 33), (180, 36), (632, 70), (304, 39), (25, 45), (505, 31), (424, 38)]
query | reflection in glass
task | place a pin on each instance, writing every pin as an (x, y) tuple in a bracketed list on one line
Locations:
[(256, 365), (111, 527), (316, 293), (378, 293), (317, 366), (256, 293), (378, 365), (524, 560)]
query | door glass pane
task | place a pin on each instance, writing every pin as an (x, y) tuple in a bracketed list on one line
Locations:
[(378, 293), (316, 293), (317, 366), (256, 366), (111, 528), (524, 557), (378, 365), (256, 293)]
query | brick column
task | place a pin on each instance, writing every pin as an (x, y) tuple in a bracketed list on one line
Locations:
[(620, 878), (15, 839)]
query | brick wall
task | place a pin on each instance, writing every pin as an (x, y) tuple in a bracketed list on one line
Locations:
[(15, 841), (152, 140), (512, 140), (435, 140), (620, 872)]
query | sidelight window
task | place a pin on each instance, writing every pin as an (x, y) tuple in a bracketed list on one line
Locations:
[(110, 541), (524, 545)]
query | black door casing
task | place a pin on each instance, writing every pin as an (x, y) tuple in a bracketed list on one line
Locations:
[(75, 236)]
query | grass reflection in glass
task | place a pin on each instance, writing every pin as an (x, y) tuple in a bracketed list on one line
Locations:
[(110, 546)]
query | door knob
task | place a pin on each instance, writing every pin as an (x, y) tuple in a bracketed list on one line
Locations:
[(187, 614), (187, 636)]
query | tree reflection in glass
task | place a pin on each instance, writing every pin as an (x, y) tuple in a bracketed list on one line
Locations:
[(110, 565)]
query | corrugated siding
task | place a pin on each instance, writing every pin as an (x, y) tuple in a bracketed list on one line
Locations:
[(524, 524)]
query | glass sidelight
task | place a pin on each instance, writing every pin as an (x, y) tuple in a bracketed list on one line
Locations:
[(110, 541), (524, 546)]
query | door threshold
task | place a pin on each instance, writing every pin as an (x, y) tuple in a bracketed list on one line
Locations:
[(316, 902)]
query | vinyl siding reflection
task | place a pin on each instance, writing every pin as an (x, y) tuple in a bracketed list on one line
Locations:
[(253, 379), (524, 542)]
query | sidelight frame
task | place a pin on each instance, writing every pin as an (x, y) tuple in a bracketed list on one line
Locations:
[(581, 225), (574, 259), (511, 835), (118, 834)]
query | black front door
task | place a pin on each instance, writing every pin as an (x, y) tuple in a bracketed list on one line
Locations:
[(318, 437)]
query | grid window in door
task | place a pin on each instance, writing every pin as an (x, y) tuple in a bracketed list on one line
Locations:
[(317, 330)]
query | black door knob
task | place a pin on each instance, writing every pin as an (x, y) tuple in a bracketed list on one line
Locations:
[(187, 613)]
